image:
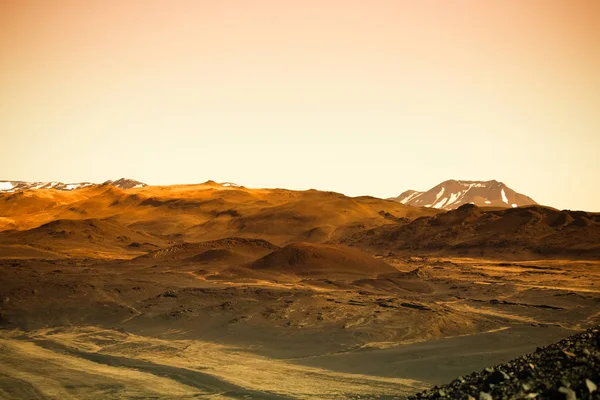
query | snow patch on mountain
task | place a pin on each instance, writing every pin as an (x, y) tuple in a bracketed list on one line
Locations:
[(74, 186), (453, 198), (229, 184), (6, 186), (504, 198), (409, 197)]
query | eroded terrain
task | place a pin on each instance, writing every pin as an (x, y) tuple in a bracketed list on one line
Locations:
[(220, 291)]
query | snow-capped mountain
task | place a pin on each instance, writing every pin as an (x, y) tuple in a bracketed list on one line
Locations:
[(452, 194), (15, 186)]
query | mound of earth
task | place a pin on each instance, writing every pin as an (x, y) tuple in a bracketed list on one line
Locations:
[(310, 258), (569, 369), (412, 281), (219, 256), (417, 273), (317, 235)]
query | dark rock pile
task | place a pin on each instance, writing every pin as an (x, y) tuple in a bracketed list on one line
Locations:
[(569, 369)]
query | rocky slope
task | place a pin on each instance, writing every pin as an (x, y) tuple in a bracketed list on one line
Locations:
[(452, 194), (569, 369)]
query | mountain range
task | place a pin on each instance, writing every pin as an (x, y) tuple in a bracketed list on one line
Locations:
[(126, 218), (14, 186), (448, 195)]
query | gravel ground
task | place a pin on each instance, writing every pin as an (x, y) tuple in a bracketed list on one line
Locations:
[(569, 369)]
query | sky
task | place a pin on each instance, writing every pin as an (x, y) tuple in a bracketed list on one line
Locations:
[(359, 97)]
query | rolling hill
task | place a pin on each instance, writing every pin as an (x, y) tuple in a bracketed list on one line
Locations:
[(166, 215)]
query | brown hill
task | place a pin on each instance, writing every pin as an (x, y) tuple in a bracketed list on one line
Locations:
[(525, 232), (316, 259)]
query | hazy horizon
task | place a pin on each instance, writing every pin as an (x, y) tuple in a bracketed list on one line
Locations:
[(360, 98)]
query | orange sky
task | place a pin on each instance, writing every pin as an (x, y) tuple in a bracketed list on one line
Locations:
[(360, 97)]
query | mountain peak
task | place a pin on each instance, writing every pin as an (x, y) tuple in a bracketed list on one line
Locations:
[(453, 193)]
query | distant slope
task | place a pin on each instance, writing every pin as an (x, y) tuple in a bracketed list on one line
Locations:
[(518, 233), (452, 194), (84, 238)]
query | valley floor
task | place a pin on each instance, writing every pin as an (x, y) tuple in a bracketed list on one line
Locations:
[(90, 329)]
